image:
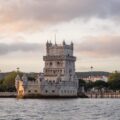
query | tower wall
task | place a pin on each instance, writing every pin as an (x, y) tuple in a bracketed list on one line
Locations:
[(59, 60)]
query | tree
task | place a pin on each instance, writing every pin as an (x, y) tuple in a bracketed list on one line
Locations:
[(89, 85), (100, 84), (81, 83), (114, 76), (9, 82), (114, 81), (2, 88), (115, 85)]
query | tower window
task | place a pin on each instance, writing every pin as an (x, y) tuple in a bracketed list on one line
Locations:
[(54, 72), (53, 91), (29, 91), (35, 90), (58, 63), (64, 91), (50, 63)]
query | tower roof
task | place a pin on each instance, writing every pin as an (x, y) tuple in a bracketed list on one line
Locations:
[(24, 77), (17, 77)]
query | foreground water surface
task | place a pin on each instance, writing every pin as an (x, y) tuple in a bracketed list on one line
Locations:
[(59, 109)]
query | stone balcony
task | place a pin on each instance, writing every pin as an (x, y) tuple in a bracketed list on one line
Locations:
[(52, 58)]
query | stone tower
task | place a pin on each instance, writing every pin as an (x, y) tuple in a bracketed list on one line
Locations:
[(59, 62), (58, 79)]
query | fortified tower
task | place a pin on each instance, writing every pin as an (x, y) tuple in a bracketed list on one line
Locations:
[(59, 62), (59, 77)]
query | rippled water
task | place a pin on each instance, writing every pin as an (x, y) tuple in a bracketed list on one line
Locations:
[(60, 109)]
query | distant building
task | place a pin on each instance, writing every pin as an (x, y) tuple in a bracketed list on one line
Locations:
[(93, 76), (59, 78)]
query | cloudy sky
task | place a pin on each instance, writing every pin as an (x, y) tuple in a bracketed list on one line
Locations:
[(93, 26)]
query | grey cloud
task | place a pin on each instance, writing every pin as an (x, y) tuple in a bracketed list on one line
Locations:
[(24, 47), (107, 46), (48, 11)]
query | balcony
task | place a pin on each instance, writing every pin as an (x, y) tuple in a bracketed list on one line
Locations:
[(53, 58)]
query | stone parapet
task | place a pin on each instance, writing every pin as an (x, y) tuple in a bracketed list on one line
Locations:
[(52, 58)]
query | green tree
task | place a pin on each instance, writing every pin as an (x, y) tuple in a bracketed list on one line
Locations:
[(89, 85), (114, 76), (100, 84), (114, 81), (81, 83), (9, 81), (2, 88)]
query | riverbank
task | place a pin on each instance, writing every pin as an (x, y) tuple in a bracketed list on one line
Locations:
[(8, 94), (111, 94)]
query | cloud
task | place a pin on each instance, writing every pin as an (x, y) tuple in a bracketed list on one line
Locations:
[(16, 47), (100, 46), (21, 14)]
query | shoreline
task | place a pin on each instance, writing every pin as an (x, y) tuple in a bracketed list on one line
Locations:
[(88, 95)]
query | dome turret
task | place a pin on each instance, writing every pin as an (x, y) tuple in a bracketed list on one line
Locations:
[(64, 42), (17, 79), (25, 79)]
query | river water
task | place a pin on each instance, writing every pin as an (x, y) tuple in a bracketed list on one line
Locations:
[(59, 109)]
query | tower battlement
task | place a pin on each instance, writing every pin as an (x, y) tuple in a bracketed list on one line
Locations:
[(59, 49)]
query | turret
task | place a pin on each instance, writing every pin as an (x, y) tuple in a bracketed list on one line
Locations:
[(25, 79), (41, 77), (48, 45), (17, 79), (72, 45), (63, 42), (59, 77)]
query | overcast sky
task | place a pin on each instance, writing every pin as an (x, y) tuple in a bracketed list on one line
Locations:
[(92, 25)]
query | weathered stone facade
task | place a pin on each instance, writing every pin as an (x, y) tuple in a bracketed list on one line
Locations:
[(59, 78)]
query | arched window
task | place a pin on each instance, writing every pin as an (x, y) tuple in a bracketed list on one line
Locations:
[(58, 63), (54, 72), (29, 91), (53, 91), (50, 63), (36, 91), (64, 91)]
